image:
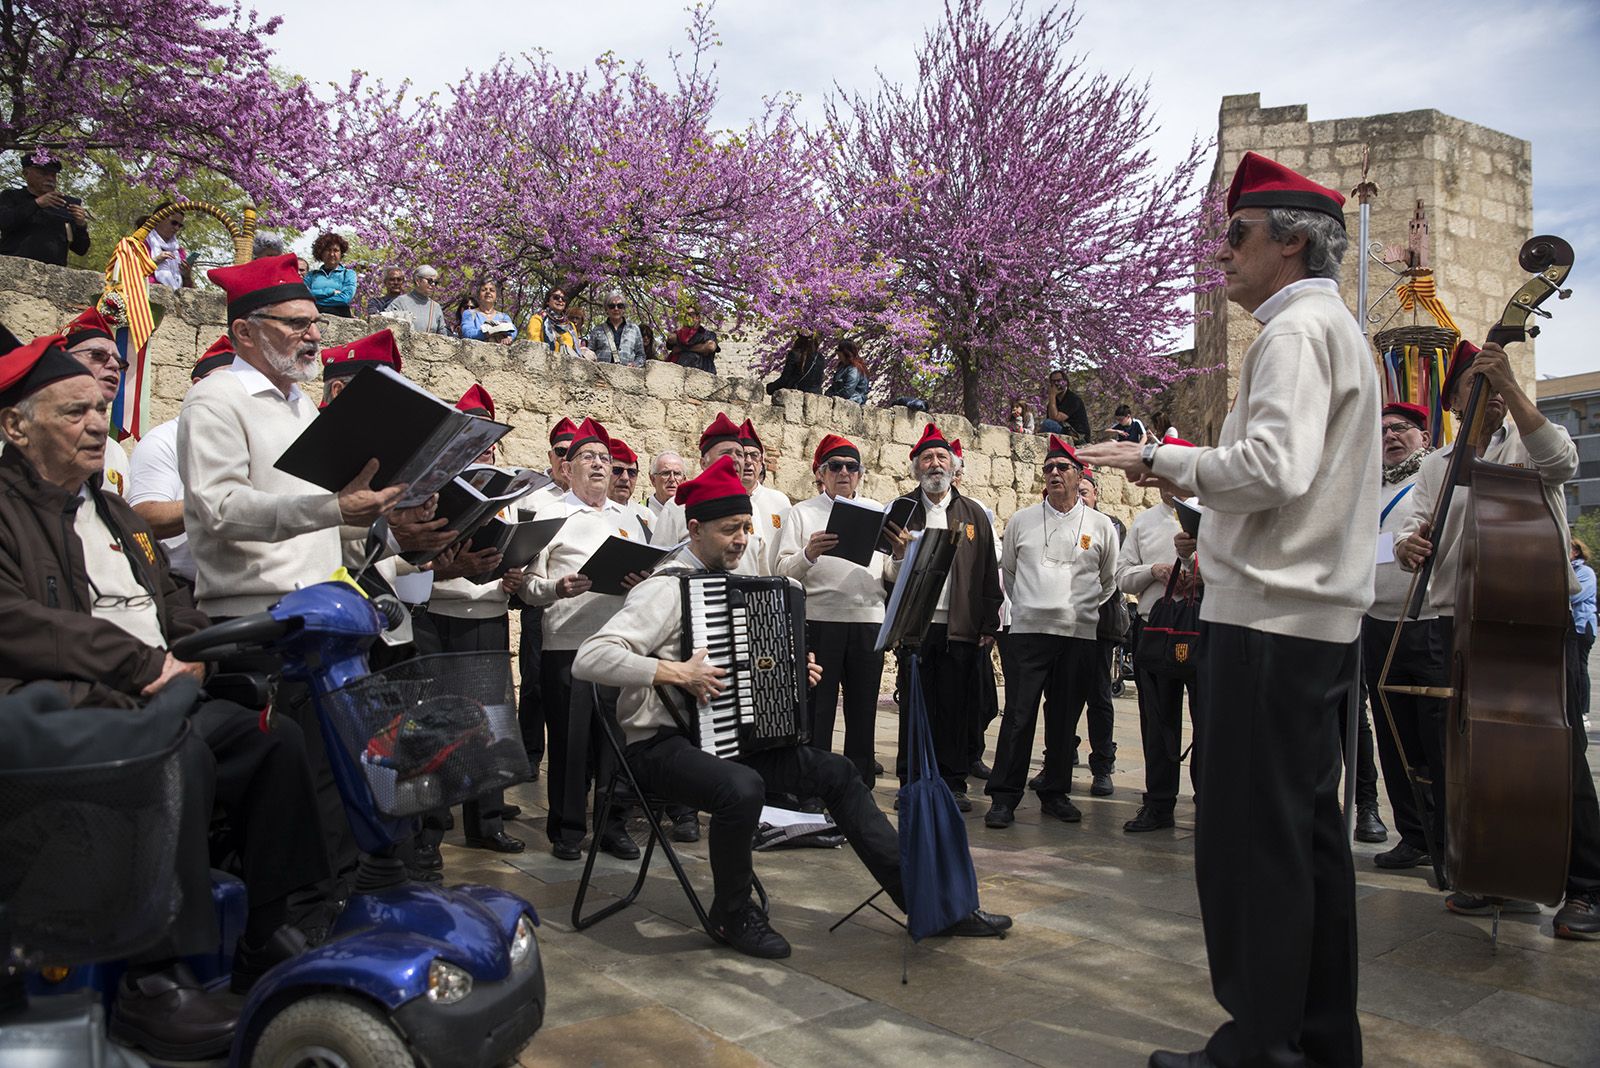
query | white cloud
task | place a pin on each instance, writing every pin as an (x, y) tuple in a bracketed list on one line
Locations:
[(1528, 72)]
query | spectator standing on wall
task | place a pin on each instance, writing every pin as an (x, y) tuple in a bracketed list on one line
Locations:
[(802, 366), (394, 284), (551, 325), (37, 222), (692, 345), (418, 306), (487, 322), (332, 284), (1064, 411), (618, 339), (171, 258), (850, 379)]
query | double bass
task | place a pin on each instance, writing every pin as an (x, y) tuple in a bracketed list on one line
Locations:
[(1507, 745)]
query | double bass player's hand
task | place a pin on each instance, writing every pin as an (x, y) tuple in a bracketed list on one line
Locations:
[(1411, 550)]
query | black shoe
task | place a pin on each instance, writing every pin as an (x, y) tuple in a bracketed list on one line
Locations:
[(963, 802), (1473, 905), (1579, 916), (171, 1015), (619, 845), (427, 857), (1036, 782), (1369, 828), (1061, 809), (250, 963), (999, 816), (980, 770), (877, 767), (980, 924), (749, 932), (510, 812), (686, 828), (1102, 785), (499, 842), (1149, 819), (424, 875), (565, 850), (1403, 855), (1162, 1058)]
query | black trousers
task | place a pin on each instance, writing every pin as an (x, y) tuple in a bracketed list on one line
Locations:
[(1583, 866), (530, 707), (1101, 716), (262, 783), (1161, 733), (987, 699), (849, 664), (668, 765), (948, 673), (1273, 867), (1578, 647), (1038, 664), (577, 754), (484, 815), (1422, 659)]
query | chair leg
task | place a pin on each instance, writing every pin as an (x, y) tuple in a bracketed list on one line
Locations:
[(581, 922)]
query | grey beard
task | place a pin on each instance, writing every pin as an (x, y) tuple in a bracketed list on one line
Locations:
[(286, 365), (935, 482)]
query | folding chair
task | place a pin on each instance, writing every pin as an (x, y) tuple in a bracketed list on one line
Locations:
[(624, 789)]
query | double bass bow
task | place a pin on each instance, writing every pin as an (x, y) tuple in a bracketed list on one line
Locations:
[(1507, 744)]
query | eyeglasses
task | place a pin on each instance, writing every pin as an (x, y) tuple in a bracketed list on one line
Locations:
[(100, 359), (297, 324), (590, 458), (618, 472), (1059, 468), (669, 476), (111, 600), (844, 465), (1398, 428), (1235, 235), (610, 306)]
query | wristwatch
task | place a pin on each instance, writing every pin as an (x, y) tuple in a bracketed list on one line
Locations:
[(1147, 455)]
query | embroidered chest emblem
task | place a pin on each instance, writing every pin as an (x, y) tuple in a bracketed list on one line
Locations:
[(972, 532), (777, 521), (1084, 542), (624, 533)]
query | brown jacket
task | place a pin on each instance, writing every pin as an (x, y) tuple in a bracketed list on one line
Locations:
[(46, 630), (974, 578)]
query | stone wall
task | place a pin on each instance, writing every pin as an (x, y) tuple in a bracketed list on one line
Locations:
[(1476, 186), (659, 407)]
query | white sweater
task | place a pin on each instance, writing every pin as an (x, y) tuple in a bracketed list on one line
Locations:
[(1393, 582), (1549, 450), (837, 590), (569, 620), (771, 512), (1291, 490), (1149, 543), (1059, 568), (256, 533)]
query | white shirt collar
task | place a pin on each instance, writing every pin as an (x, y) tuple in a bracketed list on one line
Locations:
[(1052, 509), (1276, 303), (949, 495), (256, 383), (607, 505)]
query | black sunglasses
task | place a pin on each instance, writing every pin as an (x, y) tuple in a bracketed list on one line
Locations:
[(844, 465), (1236, 227), (1051, 469), (616, 305), (560, 451), (618, 472)]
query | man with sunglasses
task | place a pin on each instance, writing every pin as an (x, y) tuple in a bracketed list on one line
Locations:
[(617, 339), (844, 606), (624, 478), (91, 610), (1288, 545)]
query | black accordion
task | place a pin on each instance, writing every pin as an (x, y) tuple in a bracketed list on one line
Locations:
[(755, 629)]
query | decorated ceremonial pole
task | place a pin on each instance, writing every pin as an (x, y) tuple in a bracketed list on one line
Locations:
[(1363, 194)]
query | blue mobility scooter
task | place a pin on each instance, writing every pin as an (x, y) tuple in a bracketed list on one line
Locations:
[(409, 974)]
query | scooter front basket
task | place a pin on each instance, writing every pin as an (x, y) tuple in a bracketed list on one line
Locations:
[(432, 732)]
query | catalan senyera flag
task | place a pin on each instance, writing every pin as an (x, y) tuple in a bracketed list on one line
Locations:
[(127, 296)]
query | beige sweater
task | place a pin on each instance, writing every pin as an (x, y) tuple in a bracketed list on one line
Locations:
[(256, 533), (1549, 450), (837, 590), (569, 620), (1059, 568), (1291, 489), (1149, 543)]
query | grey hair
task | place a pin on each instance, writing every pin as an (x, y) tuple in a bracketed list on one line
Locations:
[(615, 296), (655, 464), (424, 270), (1325, 236), (267, 243)]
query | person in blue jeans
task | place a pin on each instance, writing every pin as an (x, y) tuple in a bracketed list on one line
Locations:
[(332, 285)]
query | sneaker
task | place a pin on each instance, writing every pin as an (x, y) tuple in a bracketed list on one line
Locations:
[(999, 816), (1403, 855), (749, 932), (1463, 904), (1102, 786), (1579, 916), (1062, 809), (686, 828), (1369, 828), (1149, 819)]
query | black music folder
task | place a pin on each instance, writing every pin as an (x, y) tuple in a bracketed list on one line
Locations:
[(416, 437), (860, 528), (519, 543), (467, 509), (619, 557), (909, 613), (1189, 515)]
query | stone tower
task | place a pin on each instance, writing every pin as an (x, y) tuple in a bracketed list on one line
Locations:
[(1477, 188)]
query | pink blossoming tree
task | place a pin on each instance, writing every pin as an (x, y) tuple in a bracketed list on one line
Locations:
[(1017, 194)]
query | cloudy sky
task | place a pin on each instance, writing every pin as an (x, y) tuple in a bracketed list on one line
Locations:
[(1528, 69)]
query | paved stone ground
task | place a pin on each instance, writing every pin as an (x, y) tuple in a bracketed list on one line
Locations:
[(1106, 961)]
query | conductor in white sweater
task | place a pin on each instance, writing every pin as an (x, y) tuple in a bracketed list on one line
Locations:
[(1288, 545), (1059, 560)]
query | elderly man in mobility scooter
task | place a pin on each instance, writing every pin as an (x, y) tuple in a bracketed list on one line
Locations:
[(86, 603)]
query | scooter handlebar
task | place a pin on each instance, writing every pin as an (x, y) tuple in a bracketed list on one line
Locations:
[(221, 640)]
